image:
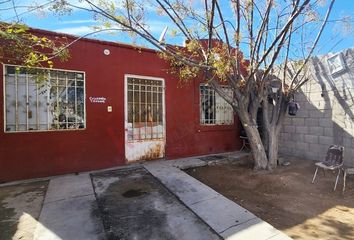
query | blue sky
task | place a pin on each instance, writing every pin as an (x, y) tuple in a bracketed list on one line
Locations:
[(80, 23)]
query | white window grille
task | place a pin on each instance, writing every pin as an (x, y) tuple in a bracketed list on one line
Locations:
[(214, 110), (145, 109), (55, 103)]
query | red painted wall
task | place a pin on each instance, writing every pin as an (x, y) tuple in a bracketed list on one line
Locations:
[(101, 144)]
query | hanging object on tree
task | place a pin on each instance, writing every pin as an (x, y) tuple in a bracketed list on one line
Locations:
[(293, 107)]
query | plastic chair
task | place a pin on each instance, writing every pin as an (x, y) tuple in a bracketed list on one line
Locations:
[(333, 161), (348, 171)]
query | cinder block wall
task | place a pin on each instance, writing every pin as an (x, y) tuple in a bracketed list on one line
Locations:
[(326, 114)]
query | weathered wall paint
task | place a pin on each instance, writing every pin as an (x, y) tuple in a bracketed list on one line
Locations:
[(101, 144)]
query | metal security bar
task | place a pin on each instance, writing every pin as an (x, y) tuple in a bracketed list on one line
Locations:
[(145, 109), (214, 110), (43, 99)]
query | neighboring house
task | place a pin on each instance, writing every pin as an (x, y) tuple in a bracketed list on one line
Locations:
[(110, 104), (326, 114)]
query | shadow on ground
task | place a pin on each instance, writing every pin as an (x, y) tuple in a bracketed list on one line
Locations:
[(286, 198), (20, 206)]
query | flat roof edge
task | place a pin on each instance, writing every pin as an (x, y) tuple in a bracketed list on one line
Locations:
[(86, 39)]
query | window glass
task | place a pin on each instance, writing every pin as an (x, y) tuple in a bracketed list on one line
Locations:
[(145, 109), (56, 104), (214, 110)]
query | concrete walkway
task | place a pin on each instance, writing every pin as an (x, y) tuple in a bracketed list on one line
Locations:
[(67, 211), (227, 218)]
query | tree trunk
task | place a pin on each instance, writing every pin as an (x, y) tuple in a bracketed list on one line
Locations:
[(273, 132), (273, 147), (257, 148)]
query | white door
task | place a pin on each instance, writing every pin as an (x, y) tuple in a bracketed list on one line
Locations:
[(144, 118)]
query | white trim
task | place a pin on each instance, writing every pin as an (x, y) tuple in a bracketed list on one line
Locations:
[(36, 131), (125, 110), (144, 77), (4, 97), (55, 69)]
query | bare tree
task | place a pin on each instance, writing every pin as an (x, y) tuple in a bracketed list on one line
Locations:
[(258, 49), (21, 45)]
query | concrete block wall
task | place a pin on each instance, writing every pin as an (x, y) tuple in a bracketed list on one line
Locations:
[(326, 114)]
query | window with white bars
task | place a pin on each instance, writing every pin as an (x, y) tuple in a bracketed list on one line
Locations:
[(55, 103), (214, 110)]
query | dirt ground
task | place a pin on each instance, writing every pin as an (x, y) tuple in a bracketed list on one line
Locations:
[(286, 198)]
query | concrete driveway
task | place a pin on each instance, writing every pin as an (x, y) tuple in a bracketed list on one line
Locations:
[(134, 205), (155, 200)]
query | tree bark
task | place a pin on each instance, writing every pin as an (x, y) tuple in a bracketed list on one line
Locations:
[(273, 138), (257, 148), (273, 131)]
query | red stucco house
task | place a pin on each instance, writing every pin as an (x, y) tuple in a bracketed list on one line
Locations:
[(110, 104)]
